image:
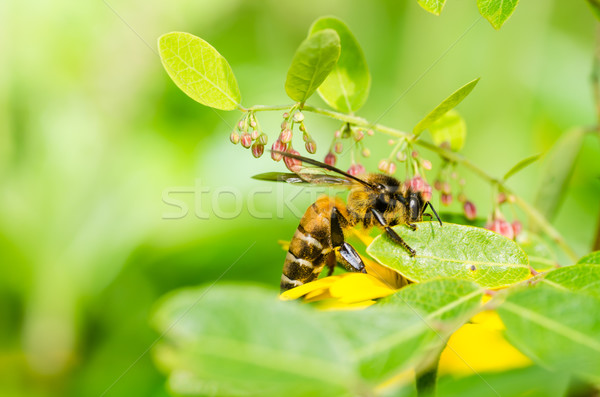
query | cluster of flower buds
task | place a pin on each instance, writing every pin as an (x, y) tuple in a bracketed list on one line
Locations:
[(499, 225), (356, 134), (284, 141), (418, 184), (444, 186), (249, 135)]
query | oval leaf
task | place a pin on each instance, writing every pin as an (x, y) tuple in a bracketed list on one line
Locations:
[(560, 164), (557, 329), (433, 6), (540, 254), (314, 60), (497, 11), (591, 258), (456, 251), (347, 86), (403, 330), (236, 338), (199, 70), (583, 279), (522, 164), (454, 99), (449, 128)]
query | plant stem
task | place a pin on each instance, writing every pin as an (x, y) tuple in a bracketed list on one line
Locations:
[(427, 380), (447, 154)]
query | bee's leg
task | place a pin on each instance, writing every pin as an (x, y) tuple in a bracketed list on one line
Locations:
[(391, 233), (412, 226), (330, 262), (349, 258)]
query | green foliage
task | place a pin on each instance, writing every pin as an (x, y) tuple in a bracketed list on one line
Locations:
[(433, 6), (199, 70), (582, 278), (457, 251), (347, 87), (591, 258), (451, 128), (560, 164), (313, 61), (522, 164), (447, 104), (595, 7), (540, 254), (497, 11), (556, 328)]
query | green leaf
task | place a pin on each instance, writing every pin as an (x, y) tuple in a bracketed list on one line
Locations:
[(347, 86), (408, 326), (557, 329), (560, 164), (456, 251), (592, 257), (497, 11), (522, 164), (454, 99), (578, 278), (314, 60), (449, 128), (595, 7), (433, 6), (199, 70), (233, 339), (540, 254)]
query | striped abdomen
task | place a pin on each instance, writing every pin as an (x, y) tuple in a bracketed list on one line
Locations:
[(310, 247)]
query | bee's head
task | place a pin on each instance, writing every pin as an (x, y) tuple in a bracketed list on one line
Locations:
[(416, 206)]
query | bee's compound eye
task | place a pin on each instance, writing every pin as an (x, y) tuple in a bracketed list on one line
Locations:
[(414, 208), (380, 187)]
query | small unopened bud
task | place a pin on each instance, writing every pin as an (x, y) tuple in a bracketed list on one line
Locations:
[(446, 188), (370, 132), (286, 115), (417, 184), (359, 135), (305, 137), (356, 169), (292, 164), (338, 147), (502, 227), (446, 198), (366, 152), (298, 117), (337, 134), (437, 185), (240, 125), (283, 125), (414, 154), (426, 164), (427, 192), (311, 147), (461, 197), (279, 147), (234, 138), (286, 136), (470, 210), (501, 198), (453, 175), (383, 165), (330, 159), (246, 140), (254, 134), (391, 168), (302, 127), (517, 227), (445, 145), (263, 139), (401, 157), (391, 142), (258, 150), (253, 124)]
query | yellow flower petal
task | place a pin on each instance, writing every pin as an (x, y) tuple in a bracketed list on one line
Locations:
[(332, 304), (304, 289), (480, 347), (357, 287)]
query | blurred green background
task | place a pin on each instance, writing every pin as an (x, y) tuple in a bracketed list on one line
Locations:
[(95, 141)]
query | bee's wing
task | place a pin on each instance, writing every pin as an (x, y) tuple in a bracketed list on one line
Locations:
[(307, 175)]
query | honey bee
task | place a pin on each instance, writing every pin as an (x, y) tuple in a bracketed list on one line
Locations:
[(374, 200)]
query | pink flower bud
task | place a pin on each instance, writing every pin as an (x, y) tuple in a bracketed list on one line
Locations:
[(366, 152), (370, 132), (286, 136), (359, 135), (253, 124), (446, 199), (470, 210), (283, 125), (383, 165), (286, 115), (446, 188), (426, 164), (280, 147), (502, 227), (258, 150), (246, 140), (437, 185), (414, 154), (445, 145), (427, 192), (330, 159), (356, 169), (234, 137), (263, 139), (254, 134), (337, 134), (417, 184), (391, 168), (305, 137), (391, 142), (292, 164), (338, 148), (401, 156), (501, 198), (302, 127), (517, 227), (240, 125), (311, 147), (298, 117)]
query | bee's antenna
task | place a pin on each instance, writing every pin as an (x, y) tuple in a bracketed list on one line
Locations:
[(433, 209)]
